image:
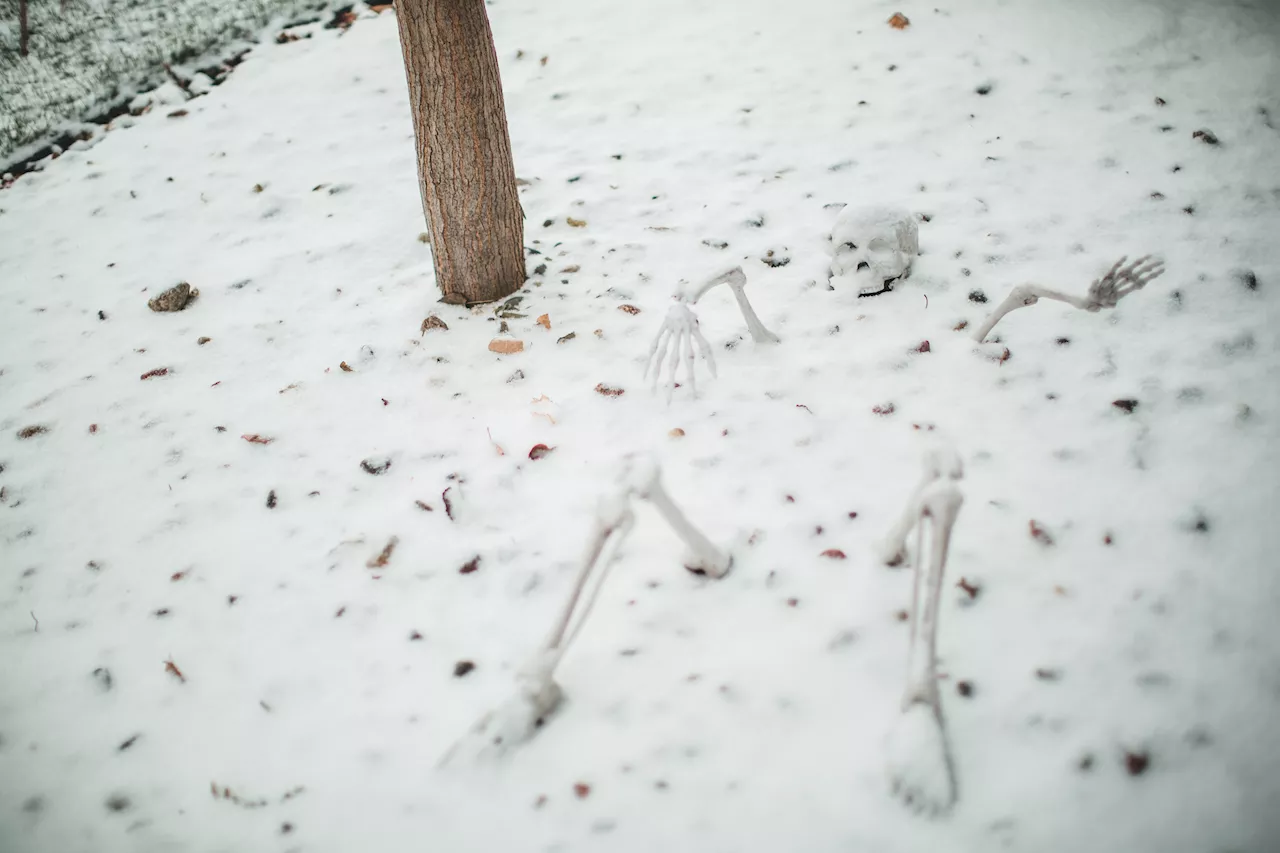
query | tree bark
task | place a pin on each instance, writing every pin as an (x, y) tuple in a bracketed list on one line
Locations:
[(465, 171)]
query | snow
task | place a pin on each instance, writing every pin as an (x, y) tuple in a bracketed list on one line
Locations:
[(747, 713)]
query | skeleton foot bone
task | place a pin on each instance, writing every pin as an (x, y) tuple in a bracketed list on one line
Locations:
[(538, 696), (679, 332), (1104, 292), (921, 770)]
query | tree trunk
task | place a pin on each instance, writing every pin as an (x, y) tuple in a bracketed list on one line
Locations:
[(465, 171)]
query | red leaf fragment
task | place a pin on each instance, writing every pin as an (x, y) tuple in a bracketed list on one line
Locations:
[(803, 406), (172, 668), (899, 21), (416, 635), (971, 589), (630, 309), (384, 401), (601, 388), (1106, 539), (581, 790), (923, 347), (159, 371), (885, 409), (793, 602), (470, 566), (425, 507), (177, 576), (1136, 762), (254, 438), (833, 553), (385, 556), (93, 428), (341, 610), (1040, 534), (346, 368), (539, 450), (448, 504)]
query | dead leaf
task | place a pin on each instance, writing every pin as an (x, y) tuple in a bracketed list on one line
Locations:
[(601, 388), (257, 188), (970, 589), (545, 321), (599, 333), (1040, 534), (571, 268), (576, 223), (923, 347), (425, 507), (543, 60), (203, 340), (885, 409), (177, 576), (630, 309), (567, 337), (470, 566), (433, 322), (545, 415), (254, 438), (539, 450), (448, 504), (271, 499), (899, 21), (833, 553), (496, 446), (963, 324), (172, 668), (31, 431), (159, 371), (504, 346), (462, 667), (581, 790), (177, 114), (543, 398), (385, 556), (676, 433), (346, 368)]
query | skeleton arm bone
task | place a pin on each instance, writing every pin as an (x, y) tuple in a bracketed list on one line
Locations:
[(1104, 292), (940, 462)]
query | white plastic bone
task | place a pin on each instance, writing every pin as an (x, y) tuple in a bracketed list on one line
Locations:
[(537, 695), (679, 333), (921, 769), (1104, 292), (940, 462), (874, 244)]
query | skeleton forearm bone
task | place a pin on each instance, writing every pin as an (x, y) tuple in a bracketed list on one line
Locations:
[(1104, 292)]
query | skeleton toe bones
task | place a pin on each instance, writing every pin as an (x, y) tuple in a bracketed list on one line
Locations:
[(679, 333), (537, 696)]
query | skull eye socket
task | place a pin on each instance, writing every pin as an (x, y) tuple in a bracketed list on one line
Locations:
[(880, 247)]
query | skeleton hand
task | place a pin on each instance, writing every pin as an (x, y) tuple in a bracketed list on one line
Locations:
[(1120, 281), (679, 333)]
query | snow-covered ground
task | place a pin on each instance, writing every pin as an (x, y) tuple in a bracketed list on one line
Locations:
[(749, 713)]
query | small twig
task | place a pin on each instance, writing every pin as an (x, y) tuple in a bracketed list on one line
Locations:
[(37, 621), (24, 27), (184, 85)]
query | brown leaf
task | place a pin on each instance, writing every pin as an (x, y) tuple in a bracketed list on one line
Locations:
[(1126, 406), (576, 223), (545, 321), (899, 21), (177, 114), (346, 368), (433, 322), (172, 668), (385, 556), (833, 553), (254, 438), (177, 576), (923, 347), (971, 590), (470, 566), (630, 309), (567, 337), (203, 340), (601, 388), (581, 790), (504, 346), (425, 507), (462, 667), (539, 450), (571, 268), (257, 188), (676, 433), (93, 428), (448, 504), (1039, 533), (962, 325), (1136, 762), (32, 431), (159, 371), (375, 466)]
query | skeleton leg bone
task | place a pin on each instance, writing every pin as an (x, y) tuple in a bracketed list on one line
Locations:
[(941, 461), (538, 696), (921, 769)]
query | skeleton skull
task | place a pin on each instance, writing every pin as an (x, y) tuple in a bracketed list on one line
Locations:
[(874, 245)]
